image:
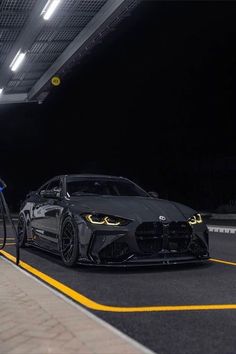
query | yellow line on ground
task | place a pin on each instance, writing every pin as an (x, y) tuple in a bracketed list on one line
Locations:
[(8, 238), (86, 302), (8, 244), (222, 261)]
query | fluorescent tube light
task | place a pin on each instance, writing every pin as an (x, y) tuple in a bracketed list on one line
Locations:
[(17, 61), (50, 8), (1, 91)]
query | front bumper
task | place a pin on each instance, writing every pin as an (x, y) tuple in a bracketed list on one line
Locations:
[(127, 247)]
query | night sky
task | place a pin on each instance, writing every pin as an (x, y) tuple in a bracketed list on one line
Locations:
[(155, 102)]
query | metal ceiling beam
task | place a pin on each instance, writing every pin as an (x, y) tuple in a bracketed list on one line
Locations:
[(58, 29), (15, 12), (9, 28), (13, 98), (78, 13), (100, 21), (63, 12)]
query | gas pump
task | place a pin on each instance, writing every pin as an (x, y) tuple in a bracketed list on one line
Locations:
[(5, 213)]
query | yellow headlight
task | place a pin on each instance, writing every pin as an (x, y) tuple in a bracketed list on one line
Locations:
[(93, 220), (102, 220), (111, 223), (195, 219)]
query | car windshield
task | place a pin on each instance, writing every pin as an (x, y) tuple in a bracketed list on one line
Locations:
[(78, 187)]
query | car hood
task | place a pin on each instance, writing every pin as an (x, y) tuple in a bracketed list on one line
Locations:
[(139, 208)]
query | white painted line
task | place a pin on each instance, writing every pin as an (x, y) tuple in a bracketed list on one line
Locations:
[(86, 312), (14, 219), (230, 230), (224, 216)]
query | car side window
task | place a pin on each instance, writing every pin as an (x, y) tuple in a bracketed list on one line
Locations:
[(54, 185), (43, 188)]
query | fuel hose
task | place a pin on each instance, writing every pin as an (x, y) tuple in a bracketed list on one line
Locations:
[(6, 216)]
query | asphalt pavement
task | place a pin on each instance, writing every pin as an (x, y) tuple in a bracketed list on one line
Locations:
[(150, 292)]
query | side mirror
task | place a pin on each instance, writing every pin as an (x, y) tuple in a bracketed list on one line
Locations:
[(153, 194)]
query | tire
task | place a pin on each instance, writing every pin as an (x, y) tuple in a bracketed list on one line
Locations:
[(69, 243), (21, 231)]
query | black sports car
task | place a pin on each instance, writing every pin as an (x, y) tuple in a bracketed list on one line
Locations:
[(105, 220)]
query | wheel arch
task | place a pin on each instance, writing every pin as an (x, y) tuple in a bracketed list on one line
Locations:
[(26, 215)]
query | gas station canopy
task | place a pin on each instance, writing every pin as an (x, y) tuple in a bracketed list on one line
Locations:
[(40, 40)]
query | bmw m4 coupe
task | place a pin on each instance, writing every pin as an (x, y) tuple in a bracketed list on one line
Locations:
[(106, 220)]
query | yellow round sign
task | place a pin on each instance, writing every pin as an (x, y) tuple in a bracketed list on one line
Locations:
[(56, 81)]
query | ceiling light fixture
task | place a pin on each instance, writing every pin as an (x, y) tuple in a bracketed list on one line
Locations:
[(17, 61), (50, 8)]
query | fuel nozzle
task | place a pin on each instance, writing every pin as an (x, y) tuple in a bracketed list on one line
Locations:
[(2, 185)]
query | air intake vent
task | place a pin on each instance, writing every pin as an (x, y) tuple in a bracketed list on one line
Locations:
[(153, 237)]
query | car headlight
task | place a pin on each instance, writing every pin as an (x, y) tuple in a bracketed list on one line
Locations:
[(101, 219), (195, 219)]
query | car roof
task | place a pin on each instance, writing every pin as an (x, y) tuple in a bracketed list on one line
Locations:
[(90, 175)]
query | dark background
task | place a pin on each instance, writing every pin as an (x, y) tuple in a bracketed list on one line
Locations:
[(154, 102)]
